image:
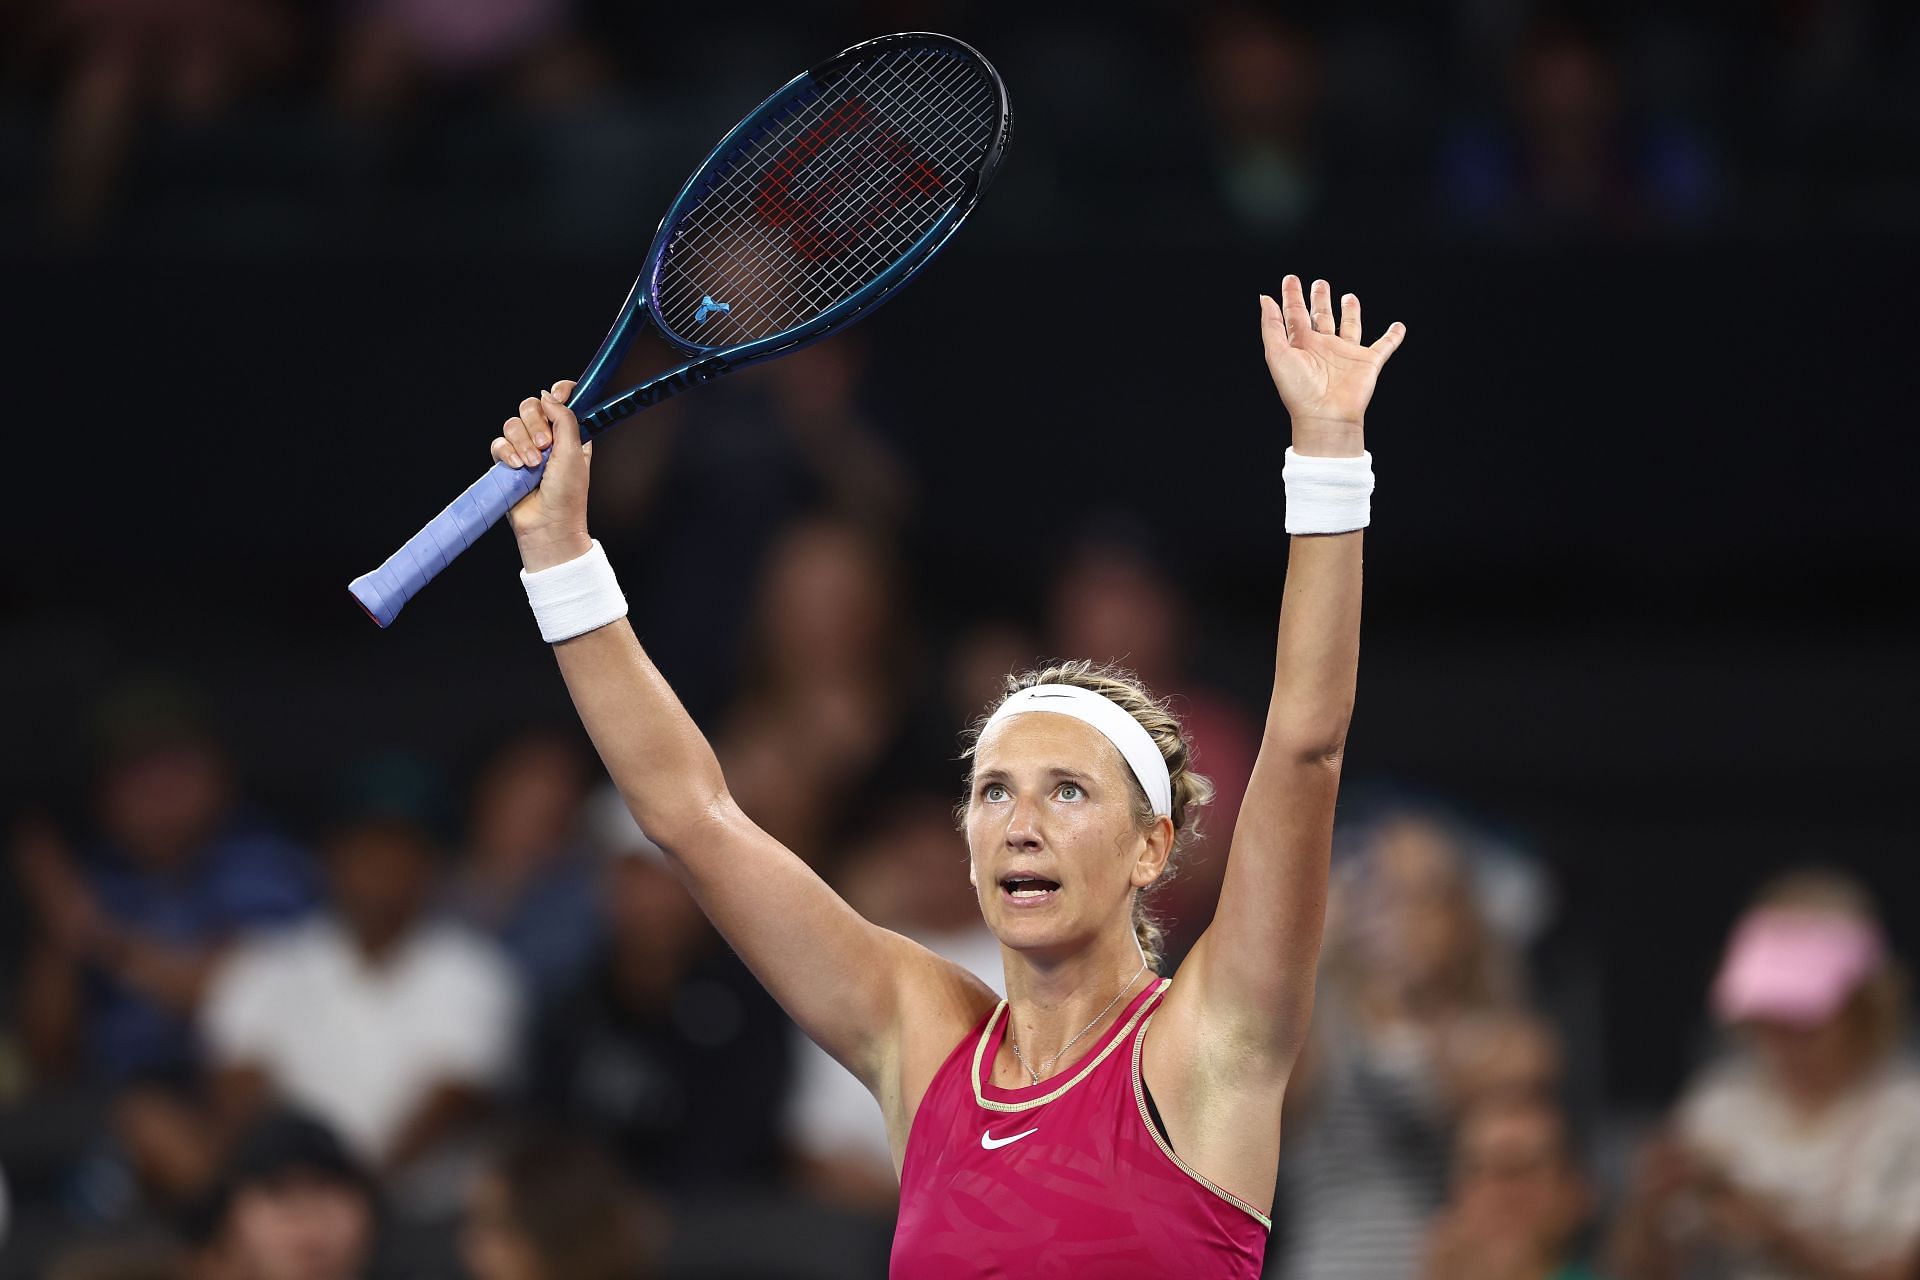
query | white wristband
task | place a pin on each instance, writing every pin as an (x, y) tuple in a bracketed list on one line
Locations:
[(576, 597), (1327, 495)]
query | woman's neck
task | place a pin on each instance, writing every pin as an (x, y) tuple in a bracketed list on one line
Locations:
[(1050, 1003)]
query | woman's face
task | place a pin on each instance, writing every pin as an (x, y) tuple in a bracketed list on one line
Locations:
[(1512, 1170), (1417, 928), (1053, 802), (828, 600), (1812, 1063), (528, 800)]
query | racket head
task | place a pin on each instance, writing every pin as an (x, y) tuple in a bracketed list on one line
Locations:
[(832, 193)]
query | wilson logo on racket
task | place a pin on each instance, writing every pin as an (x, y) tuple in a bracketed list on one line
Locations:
[(822, 189), (812, 211)]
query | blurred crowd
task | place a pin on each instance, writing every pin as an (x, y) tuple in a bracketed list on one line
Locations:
[(466, 1022), (237, 121), (458, 1018)]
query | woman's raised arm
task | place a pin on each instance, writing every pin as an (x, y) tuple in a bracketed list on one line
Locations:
[(844, 980), (1249, 980)]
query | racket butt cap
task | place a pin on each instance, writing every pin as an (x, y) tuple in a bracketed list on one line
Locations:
[(356, 588)]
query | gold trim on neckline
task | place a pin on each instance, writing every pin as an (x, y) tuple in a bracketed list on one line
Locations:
[(986, 1038), (1146, 1118)]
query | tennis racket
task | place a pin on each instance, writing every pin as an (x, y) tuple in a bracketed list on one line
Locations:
[(833, 193)]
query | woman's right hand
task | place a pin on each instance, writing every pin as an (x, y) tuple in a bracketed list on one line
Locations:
[(550, 523)]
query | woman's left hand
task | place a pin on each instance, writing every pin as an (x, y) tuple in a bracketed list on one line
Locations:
[(1324, 375)]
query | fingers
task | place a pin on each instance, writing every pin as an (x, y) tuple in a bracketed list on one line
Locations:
[(566, 427), (1273, 326), (523, 437), (1350, 317), (1293, 307), (516, 446), (533, 412), (1322, 307), (1389, 342)]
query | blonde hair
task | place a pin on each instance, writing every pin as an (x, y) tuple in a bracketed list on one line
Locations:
[(1191, 789), (1876, 1011)]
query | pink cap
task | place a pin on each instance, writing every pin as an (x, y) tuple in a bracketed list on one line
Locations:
[(1794, 965)]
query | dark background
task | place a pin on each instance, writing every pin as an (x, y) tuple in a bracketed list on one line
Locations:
[(1641, 583)]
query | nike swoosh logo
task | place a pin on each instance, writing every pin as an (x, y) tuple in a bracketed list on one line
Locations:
[(991, 1143)]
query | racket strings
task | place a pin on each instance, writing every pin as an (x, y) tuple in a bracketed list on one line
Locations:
[(830, 278), (843, 276), (820, 205), (846, 274), (776, 162)]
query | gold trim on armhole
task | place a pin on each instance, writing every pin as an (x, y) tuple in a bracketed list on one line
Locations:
[(986, 1038), (1146, 1119)]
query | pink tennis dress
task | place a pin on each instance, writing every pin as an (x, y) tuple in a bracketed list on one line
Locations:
[(1067, 1178)]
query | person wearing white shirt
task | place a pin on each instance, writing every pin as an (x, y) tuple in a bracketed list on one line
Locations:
[(389, 1025), (1797, 1157)]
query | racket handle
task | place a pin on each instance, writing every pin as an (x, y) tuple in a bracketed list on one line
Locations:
[(385, 591)]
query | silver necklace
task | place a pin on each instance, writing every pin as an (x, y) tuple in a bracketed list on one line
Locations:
[(1048, 1064)]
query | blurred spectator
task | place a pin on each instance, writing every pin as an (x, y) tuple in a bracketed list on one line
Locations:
[(1111, 602), (909, 874), (1797, 1155), (192, 57), (828, 655), (802, 441), (799, 438), (292, 1205), (1519, 1199), (977, 667), (826, 677), (1500, 1052), (129, 934), (387, 782), (1572, 155), (816, 398), (1260, 77), (396, 50), (526, 878), (131, 930), (668, 1049), (1418, 1009), (552, 1208), (392, 1027)]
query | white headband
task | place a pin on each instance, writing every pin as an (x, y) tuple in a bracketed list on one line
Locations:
[(1127, 735)]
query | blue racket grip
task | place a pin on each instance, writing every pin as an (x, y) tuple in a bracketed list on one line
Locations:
[(385, 591)]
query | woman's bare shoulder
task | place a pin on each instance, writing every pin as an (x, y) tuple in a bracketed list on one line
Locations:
[(942, 1003)]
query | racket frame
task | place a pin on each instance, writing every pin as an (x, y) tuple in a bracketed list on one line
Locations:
[(386, 590), (711, 362)]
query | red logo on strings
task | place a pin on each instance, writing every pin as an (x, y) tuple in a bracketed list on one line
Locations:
[(804, 213)]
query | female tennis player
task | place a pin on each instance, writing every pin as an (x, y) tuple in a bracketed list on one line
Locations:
[(1102, 1121)]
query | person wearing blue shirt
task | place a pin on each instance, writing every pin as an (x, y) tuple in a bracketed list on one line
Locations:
[(133, 920)]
